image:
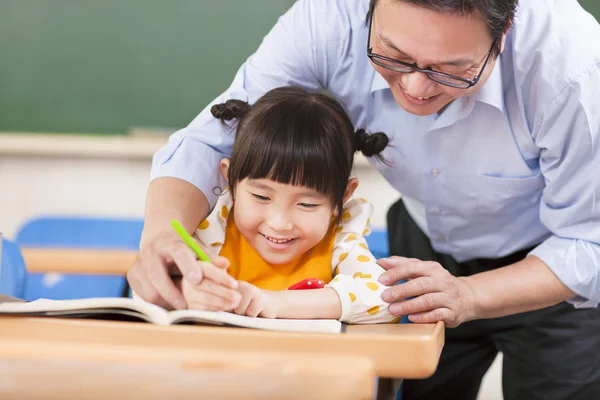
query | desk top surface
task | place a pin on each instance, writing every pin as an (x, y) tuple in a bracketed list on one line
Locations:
[(397, 350)]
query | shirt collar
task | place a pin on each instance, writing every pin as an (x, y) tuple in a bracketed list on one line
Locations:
[(492, 92), (378, 83)]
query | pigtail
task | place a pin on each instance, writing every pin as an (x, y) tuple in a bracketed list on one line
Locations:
[(231, 109), (370, 144)]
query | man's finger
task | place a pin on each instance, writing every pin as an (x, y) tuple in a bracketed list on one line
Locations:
[(158, 277), (405, 269), (412, 288), (426, 302), (428, 317), (135, 277), (187, 263), (391, 262)]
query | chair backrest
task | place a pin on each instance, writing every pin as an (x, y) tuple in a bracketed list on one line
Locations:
[(78, 233), (12, 270), (378, 243)]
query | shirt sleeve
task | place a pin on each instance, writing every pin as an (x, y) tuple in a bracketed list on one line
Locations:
[(211, 232), (299, 50), (569, 136), (356, 270)]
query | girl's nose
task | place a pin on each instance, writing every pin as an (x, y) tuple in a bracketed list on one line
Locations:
[(278, 221)]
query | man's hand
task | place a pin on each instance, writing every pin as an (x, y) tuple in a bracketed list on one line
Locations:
[(167, 255), (437, 295), (256, 302)]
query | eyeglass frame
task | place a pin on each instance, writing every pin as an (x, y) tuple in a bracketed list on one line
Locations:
[(427, 71)]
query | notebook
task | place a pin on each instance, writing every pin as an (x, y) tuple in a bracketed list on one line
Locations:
[(137, 310)]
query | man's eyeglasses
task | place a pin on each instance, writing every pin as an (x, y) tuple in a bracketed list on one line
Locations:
[(437, 76)]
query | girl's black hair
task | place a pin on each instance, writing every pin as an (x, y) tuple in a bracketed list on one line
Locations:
[(292, 136)]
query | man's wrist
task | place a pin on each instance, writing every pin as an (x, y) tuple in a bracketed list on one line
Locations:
[(473, 299)]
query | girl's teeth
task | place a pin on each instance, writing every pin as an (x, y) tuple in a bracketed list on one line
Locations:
[(278, 241)]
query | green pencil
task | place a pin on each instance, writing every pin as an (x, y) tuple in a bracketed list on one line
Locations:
[(189, 241)]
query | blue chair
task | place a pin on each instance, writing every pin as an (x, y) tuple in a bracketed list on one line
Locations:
[(12, 270), (78, 233), (378, 243)]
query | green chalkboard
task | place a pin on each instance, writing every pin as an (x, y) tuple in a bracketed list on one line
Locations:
[(103, 66), (593, 6)]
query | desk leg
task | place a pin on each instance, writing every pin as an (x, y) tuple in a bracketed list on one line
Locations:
[(387, 388)]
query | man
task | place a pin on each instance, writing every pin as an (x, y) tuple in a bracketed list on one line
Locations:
[(495, 147)]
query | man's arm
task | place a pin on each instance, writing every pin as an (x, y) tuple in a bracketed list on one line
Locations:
[(172, 198), (524, 286)]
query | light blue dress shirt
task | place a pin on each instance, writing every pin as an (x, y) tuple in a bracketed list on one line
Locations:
[(515, 165)]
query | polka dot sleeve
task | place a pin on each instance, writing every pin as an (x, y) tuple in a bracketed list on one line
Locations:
[(355, 269), (211, 231)]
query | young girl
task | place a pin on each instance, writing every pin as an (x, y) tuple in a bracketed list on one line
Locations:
[(289, 213)]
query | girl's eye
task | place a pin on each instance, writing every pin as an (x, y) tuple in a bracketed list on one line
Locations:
[(308, 205), (259, 197)]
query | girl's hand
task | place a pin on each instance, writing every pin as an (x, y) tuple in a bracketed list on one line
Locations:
[(256, 302), (152, 276), (211, 294)]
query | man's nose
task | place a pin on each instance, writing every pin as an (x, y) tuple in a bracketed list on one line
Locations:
[(417, 84)]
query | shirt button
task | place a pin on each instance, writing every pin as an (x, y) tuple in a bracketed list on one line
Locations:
[(435, 172), (442, 238)]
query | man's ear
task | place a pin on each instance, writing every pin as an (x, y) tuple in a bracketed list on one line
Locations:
[(225, 168)]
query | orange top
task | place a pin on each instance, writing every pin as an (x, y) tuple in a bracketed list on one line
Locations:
[(247, 265)]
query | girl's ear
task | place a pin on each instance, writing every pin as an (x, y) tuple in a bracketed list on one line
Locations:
[(350, 188), (225, 168)]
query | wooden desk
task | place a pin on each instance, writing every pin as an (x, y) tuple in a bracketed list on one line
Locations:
[(396, 350), (57, 369)]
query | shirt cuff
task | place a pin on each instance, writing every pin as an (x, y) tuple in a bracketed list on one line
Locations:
[(576, 263), (345, 297), (189, 159)]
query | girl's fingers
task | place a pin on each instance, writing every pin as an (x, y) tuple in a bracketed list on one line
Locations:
[(232, 297), (201, 299), (218, 275)]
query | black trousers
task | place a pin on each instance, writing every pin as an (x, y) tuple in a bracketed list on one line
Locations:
[(549, 354)]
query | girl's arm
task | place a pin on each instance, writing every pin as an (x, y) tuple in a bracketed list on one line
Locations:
[(308, 304), (356, 270)]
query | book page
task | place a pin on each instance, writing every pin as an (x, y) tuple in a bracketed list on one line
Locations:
[(96, 306), (280, 325)]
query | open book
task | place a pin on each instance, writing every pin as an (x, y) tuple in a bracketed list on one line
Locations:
[(133, 309)]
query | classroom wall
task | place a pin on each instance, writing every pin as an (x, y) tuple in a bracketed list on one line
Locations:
[(102, 186)]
